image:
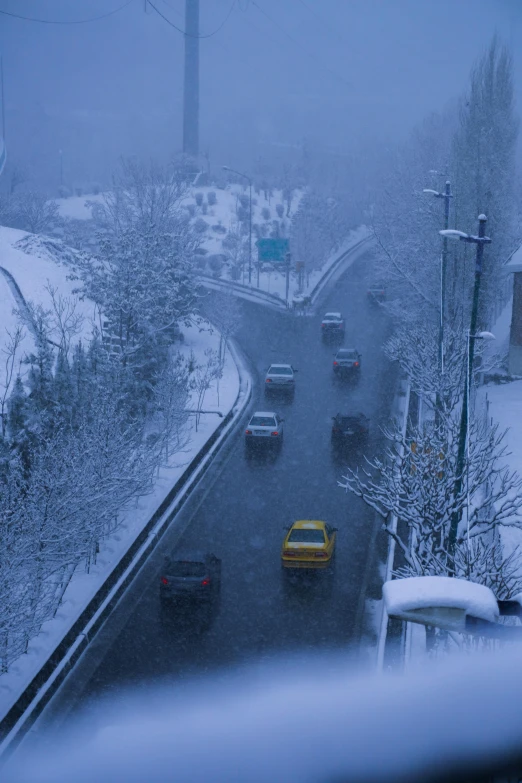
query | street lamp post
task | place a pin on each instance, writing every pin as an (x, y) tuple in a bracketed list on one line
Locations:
[(240, 174), (480, 240), (447, 196)]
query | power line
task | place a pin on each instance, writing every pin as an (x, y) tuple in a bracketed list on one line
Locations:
[(183, 32), (323, 21), (296, 43), (74, 21)]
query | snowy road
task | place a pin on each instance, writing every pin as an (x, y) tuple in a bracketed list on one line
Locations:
[(240, 512)]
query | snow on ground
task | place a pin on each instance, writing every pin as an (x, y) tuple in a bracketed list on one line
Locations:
[(84, 586), (9, 323), (76, 207), (37, 265), (504, 406)]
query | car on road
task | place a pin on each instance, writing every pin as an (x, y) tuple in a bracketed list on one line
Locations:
[(190, 575), (332, 325), (308, 544), (280, 378), (349, 427), (264, 428), (347, 361), (376, 293)]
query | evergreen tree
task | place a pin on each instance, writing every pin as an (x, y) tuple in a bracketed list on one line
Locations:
[(483, 173)]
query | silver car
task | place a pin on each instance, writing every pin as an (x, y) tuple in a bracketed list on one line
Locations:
[(347, 361), (264, 427), (280, 378)]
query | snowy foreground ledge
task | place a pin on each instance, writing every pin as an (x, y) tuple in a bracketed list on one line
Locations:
[(306, 720), (84, 586)]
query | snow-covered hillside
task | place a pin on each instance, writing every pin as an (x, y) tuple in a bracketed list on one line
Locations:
[(218, 208), (32, 268)]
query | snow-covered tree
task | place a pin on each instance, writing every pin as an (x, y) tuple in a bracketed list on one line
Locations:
[(414, 483), (483, 162), (406, 222), (32, 211), (143, 283), (224, 310), (171, 399)]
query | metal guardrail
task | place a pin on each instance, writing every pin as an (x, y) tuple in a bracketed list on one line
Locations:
[(383, 627), (46, 682), (218, 282), (277, 300)]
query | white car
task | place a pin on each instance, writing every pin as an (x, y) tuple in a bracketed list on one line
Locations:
[(280, 378), (332, 325), (264, 426)]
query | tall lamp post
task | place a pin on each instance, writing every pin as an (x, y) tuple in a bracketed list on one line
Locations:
[(447, 195), (480, 240), (240, 174)]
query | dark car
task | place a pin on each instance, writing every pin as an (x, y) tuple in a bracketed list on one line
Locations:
[(376, 293), (332, 325), (348, 427), (194, 575), (347, 361)]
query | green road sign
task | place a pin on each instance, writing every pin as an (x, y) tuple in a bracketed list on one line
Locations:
[(273, 250)]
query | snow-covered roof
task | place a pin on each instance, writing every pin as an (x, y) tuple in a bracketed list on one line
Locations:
[(263, 413), (338, 316), (308, 524), (285, 366), (515, 262), (424, 592)]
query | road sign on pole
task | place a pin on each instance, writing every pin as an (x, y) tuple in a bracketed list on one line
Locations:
[(273, 250)]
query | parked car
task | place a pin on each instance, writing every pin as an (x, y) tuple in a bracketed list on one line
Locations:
[(347, 361), (280, 378), (264, 427), (349, 427), (308, 544), (332, 325), (376, 293), (190, 575)]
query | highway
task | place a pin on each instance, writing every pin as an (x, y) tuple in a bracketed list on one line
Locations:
[(239, 512)]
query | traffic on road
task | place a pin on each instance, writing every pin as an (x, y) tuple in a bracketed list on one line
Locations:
[(250, 516)]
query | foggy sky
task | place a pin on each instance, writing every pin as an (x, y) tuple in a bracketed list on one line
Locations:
[(336, 72)]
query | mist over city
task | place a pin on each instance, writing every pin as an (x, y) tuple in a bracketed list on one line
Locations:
[(260, 390)]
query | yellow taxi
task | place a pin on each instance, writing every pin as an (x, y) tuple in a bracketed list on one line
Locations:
[(309, 543)]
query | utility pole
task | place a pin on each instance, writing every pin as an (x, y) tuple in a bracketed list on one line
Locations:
[(447, 196), (288, 261), (191, 80), (480, 240)]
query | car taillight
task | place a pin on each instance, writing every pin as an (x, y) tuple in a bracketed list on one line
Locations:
[(205, 582), (248, 432), (321, 554), (268, 380), (335, 429), (335, 364), (164, 580), (322, 326), (274, 433), (289, 553), (356, 364)]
